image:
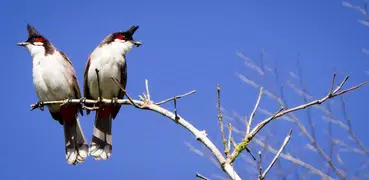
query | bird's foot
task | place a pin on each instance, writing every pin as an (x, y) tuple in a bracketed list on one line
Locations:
[(114, 101), (39, 104)]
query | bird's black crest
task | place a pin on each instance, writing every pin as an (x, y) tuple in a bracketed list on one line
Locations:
[(32, 32)]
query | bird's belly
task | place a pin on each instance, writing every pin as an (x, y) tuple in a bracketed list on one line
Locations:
[(107, 86), (51, 85)]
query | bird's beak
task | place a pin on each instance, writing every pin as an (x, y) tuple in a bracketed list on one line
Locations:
[(136, 43), (22, 43)]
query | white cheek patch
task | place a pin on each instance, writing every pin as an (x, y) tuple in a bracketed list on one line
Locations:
[(119, 40), (38, 43)]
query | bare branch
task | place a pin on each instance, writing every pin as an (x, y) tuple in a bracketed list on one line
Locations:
[(175, 108), (220, 118), (229, 135), (260, 166), (353, 135), (147, 90), (294, 160), (244, 143), (201, 176), (233, 143), (241, 146), (341, 85), (177, 97), (278, 154), (254, 110), (332, 86), (125, 92)]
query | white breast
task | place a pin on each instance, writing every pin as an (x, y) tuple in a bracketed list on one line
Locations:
[(109, 61), (50, 77)]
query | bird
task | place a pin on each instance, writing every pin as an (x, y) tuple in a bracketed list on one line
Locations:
[(54, 78), (107, 61)]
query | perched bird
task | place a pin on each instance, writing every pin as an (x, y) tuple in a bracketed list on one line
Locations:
[(109, 59), (55, 79)]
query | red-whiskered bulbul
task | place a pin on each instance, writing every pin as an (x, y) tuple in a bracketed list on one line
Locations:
[(109, 58), (55, 79)]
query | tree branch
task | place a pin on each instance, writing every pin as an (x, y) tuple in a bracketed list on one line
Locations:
[(244, 143), (254, 110), (220, 118), (201, 176), (278, 154)]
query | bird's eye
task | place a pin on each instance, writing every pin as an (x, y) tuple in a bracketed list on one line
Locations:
[(119, 36), (40, 39)]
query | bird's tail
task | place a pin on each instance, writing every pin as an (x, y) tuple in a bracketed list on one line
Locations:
[(101, 143), (76, 147)]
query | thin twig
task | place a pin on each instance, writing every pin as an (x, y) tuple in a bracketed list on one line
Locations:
[(233, 143), (278, 154), (294, 160), (341, 85), (246, 123), (147, 90), (175, 108), (220, 118), (353, 135), (260, 166), (332, 86), (201, 176), (254, 110), (229, 135), (125, 92), (177, 97), (248, 151)]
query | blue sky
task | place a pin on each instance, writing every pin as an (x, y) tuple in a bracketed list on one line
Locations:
[(186, 45)]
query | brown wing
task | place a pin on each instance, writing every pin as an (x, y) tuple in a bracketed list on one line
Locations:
[(77, 92), (86, 90), (123, 81)]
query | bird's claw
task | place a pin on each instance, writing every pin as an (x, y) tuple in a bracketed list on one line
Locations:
[(39, 105), (82, 100), (114, 101), (69, 100)]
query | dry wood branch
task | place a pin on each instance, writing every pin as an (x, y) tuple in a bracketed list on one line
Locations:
[(253, 111), (351, 132), (241, 146), (175, 108), (229, 135), (294, 160), (175, 97), (220, 118), (332, 86), (244, 143), (201, 176), (125, 92), (260, 166), (286, 140)]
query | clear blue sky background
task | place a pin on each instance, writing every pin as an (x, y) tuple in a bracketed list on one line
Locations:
[(186, 45)]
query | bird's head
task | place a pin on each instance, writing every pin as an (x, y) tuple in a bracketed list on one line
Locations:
[(123, 40), (36, 43)]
